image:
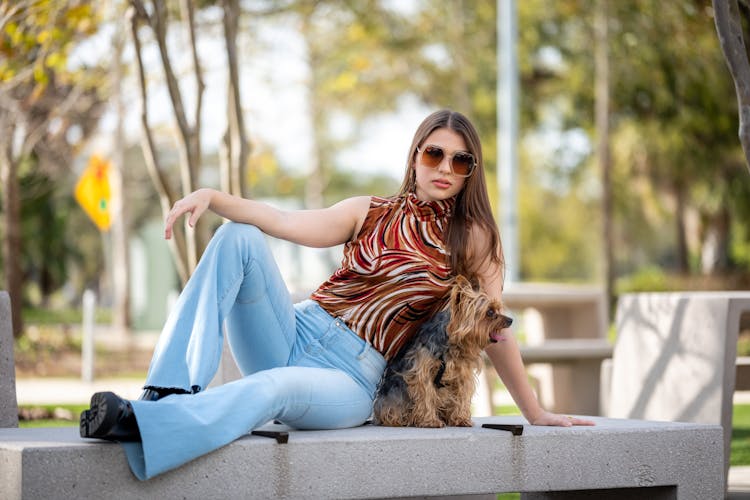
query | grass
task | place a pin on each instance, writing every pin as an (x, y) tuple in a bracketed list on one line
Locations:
[(49, 411), (740, 447), (63, 316)]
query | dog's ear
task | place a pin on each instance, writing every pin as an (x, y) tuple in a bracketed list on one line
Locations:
[(462, 283), (460, 286)]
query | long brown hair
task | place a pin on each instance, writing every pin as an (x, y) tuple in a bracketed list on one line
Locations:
[(472, 203)]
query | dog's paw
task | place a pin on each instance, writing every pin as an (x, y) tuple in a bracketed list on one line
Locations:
[(461, 423), (433, 424)]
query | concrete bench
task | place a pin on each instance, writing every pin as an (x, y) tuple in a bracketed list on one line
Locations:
[(675, 358), (616, 459), (8, 401)]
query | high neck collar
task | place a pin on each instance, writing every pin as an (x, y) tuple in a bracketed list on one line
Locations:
[(426, 210)]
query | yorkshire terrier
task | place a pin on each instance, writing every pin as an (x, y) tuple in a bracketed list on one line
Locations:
[(432, 379)]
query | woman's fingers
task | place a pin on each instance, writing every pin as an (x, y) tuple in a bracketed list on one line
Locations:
[(548, 418), (196, 203), (178, 210)]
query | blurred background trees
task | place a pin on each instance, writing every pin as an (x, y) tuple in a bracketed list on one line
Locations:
[(680, 191), (47, 110)]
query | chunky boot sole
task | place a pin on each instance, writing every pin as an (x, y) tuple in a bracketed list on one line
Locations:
[(101, 417), (104, 420)]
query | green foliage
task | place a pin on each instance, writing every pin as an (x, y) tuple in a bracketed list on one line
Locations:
[(506, 410), (673, 118), (673, 130), (62, 316), (49, 107), (45, 258), (266, 178), (743, 345), (647, 279), (555, 249), (56, 236), (740, 248), (37, 40), (348, 183)]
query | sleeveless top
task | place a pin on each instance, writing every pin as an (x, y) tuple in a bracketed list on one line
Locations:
[(395, 274)]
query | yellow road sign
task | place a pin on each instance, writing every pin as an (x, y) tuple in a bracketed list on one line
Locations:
[(93, 194)]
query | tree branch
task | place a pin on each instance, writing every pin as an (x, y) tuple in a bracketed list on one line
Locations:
[(8, 11), (729, 30), (166, 196), (189, 13), (236, 135), (38, 132)]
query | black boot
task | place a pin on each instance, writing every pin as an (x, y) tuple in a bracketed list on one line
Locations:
[(110, 417), (152, 393)]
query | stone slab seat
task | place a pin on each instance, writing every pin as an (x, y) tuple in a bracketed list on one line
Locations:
[(616, 459), (8, 400), (676, 358)]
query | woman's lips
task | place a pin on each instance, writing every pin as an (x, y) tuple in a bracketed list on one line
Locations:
[(441, 183)]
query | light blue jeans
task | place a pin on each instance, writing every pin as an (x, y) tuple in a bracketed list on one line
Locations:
[(299, 364)]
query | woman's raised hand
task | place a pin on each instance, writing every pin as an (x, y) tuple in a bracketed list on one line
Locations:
[(195, 203)]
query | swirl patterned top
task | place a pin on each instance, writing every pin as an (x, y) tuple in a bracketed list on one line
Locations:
[(395, 274)]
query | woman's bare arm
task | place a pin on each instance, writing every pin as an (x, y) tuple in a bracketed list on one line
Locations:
[(315, 228), (506, 355)]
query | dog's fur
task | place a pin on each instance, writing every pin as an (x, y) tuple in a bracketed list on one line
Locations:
[(430, 382)]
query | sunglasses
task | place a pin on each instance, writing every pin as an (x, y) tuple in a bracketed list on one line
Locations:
[(462, 163)]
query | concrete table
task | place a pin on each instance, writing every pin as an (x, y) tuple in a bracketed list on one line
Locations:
[(555, 314), (577, 366)]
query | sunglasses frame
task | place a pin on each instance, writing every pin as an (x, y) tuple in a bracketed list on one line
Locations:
[(472, 167)]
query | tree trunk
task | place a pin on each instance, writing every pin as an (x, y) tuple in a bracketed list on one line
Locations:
[(188, 146), (457, 34), (683, 263), (235, 150), (12, 215), (729, 29), (601, 61), (121, 319), (715, 249), (316, 181), (166, 196), (186, 245)]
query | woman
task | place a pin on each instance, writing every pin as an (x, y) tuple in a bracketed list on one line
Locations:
[(316, 364)]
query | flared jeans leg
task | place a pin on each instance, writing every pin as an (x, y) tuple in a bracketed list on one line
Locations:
[(300, 365), (330, 383), (237, 280)]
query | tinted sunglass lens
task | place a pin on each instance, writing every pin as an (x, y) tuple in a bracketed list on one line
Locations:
[(432, 156), (463, 163)]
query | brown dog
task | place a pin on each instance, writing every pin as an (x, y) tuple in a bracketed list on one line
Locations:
[(432, 379)]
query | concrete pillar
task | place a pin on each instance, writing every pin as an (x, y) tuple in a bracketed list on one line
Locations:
[(8, 401)]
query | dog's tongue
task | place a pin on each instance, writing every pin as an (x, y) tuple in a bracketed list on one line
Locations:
[(497, 337)]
